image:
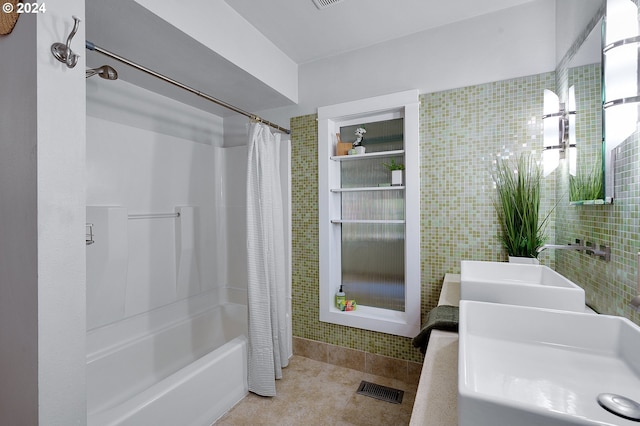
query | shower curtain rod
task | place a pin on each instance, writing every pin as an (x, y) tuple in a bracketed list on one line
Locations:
[(90, 46)]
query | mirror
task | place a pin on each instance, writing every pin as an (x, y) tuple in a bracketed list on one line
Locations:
[(586, 179), (620, 82), (579, 77)]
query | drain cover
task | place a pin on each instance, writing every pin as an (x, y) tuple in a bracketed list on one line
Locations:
[(380, 392), (620, 406)]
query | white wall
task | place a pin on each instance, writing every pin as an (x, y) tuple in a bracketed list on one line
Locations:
[(236, 130), (510, 43), (235, 207), (18, 228), (150, 154), (42, 264), (506, 44), (218, 26)]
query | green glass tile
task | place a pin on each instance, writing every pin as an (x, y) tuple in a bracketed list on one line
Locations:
[(461, 132)]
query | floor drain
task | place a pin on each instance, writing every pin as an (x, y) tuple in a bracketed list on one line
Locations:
[(380, 392)]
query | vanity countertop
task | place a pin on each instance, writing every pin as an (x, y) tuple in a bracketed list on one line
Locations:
[(436, 401)]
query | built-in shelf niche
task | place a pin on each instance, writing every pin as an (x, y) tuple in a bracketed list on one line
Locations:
[(398, 226)]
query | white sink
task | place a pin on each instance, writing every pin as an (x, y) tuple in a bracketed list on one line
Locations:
[(519, 284), (531, 366)]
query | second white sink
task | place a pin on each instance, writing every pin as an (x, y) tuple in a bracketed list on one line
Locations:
[(519, 284), (529, 366)]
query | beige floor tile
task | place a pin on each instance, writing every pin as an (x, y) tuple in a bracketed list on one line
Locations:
[(316, 393)]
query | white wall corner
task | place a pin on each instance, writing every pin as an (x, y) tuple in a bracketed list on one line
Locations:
[(219, 27)]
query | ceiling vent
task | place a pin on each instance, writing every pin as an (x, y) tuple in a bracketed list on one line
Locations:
[(323, 4)]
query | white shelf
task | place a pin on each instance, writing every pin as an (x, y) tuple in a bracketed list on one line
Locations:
[(364, 156), (369, 188), (374, 221)]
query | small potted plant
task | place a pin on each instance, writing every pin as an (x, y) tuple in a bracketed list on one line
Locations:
[(396, 171), (357, 145)]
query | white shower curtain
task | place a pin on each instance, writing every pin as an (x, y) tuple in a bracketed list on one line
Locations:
[(267, 289)]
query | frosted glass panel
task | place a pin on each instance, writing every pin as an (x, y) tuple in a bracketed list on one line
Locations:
[(378, 205), (373, 253), (373, 264), (367, 172)]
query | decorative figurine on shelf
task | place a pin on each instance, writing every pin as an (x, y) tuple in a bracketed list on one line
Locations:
[(357, 145)]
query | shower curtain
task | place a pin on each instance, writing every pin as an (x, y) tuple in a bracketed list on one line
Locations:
[(268, 343)]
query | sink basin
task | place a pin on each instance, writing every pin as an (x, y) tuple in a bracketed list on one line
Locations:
[(519, 284), (532, 366)]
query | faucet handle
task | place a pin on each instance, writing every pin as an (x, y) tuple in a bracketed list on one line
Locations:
[(579, 243), (603, 252), (591, 250)]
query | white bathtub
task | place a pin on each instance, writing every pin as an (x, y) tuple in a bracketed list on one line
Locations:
[(184, 364)]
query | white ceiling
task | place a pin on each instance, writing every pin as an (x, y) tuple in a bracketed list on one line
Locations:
[(305, 33), (296, 27)]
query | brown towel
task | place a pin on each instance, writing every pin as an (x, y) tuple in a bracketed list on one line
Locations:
[(443, 317)]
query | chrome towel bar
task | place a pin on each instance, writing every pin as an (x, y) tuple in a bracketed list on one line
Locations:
[(154, 216)]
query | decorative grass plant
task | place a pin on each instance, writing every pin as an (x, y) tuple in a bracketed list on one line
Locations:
[(517, 204)]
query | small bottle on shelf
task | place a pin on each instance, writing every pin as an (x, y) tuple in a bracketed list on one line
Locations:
[(341, 299)]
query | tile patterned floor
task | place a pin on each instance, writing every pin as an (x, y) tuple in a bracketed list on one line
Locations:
[(315, 393)]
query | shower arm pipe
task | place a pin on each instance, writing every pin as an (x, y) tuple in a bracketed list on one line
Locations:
[(91, 46)]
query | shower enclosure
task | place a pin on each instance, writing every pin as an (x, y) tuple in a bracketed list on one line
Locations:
[(166, 272)]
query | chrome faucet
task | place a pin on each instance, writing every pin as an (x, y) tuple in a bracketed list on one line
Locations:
[(563, 247), (603, 252)]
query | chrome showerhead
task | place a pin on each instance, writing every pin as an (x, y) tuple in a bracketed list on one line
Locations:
[(105, 71)]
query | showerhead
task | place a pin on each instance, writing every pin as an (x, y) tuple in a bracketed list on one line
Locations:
[(105, 71)]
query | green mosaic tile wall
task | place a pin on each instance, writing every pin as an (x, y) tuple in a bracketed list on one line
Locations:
[(461, 132), (609, 286)]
